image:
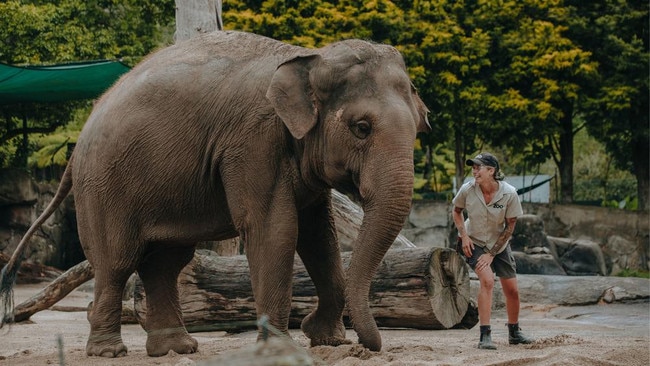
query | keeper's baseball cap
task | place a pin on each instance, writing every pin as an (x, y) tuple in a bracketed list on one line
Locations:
[(484, 158)]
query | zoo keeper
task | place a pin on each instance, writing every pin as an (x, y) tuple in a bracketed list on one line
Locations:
[(492, 207)]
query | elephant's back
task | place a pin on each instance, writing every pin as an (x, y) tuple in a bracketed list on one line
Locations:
[(227, 47), (237, 45), (185, 86), (173, 107)]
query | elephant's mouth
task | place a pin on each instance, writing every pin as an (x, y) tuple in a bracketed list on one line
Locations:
[(350, 186)]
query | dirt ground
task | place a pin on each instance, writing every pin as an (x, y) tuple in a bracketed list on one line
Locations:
[(611, 334)]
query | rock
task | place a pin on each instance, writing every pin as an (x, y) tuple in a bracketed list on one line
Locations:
[(572, 290), (624, 254), (428, 225), (584, 258), (559, 246), (529, 233), (538, 250), (542, 264), (616, 293), (56, 243), (17, 187), (470, 319)]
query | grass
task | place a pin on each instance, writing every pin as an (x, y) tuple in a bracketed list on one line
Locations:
[(633, 273)]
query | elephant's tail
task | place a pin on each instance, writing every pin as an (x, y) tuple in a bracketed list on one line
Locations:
[(10, 270)]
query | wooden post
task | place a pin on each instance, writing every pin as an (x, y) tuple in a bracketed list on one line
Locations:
[(197, 16)]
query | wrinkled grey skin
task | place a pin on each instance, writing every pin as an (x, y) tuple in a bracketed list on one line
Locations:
[(235, 134)]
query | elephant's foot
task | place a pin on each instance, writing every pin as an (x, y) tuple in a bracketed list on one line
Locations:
[(324, 333), (159, 343), (329, 341), (105, 346)]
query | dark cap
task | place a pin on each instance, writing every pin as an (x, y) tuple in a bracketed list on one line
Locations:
[(484, 158)]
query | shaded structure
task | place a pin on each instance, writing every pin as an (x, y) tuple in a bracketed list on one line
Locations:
[(58, 83)]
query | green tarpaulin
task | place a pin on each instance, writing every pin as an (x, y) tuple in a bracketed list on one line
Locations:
[(58, 83)]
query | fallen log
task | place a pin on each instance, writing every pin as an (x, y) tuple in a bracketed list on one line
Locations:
[(347, 215), (55, 291), (32, 272), (421, 288)]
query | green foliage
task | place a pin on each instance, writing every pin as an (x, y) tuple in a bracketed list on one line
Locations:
[(52, 149), (523, 78), (37, 32), (633, 273), (313, 23), (59, 31), (617, 34), (597, 180), (33, 118)]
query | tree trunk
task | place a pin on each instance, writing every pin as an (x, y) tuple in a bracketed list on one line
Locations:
[(459, 157), (196, 17), (413, 288), (642, 174), (566, 155)]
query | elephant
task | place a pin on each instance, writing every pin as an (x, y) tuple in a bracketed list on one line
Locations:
[(235, 134)]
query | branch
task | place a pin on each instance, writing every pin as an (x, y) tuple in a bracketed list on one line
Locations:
[(55, 291), (13, 133), (554, 148), (577, 129)]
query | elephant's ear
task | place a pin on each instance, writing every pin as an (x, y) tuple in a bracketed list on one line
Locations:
[(291, 95)]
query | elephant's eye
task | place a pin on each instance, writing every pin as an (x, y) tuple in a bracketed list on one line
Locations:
[(361, 129)]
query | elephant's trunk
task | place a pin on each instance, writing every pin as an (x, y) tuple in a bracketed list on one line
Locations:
[(384, 213)]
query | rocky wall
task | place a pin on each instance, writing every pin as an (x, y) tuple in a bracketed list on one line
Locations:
[(56, 243), (623, 236)]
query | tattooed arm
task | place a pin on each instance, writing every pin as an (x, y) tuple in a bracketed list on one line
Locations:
[(504, 237)]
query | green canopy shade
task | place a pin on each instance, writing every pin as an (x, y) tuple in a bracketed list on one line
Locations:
[(57, 83)]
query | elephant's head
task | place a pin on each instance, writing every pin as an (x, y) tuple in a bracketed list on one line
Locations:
[(356, 114)]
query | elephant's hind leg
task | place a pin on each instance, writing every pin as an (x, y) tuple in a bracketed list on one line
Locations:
[(319, 251), (105, 314), (164, 324)]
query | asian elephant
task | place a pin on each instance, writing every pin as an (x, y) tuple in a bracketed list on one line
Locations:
[(229, 134)]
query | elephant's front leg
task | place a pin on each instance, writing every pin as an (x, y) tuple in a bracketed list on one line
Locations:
[(270, 247), (318, 248)]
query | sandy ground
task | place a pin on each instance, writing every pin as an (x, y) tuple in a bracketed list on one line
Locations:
[(613, 334)]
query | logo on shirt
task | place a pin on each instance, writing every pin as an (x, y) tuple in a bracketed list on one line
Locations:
[(496, 205)]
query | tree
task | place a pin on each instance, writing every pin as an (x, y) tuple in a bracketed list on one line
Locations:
[(19, 121), (502, 73), (540, 78), (47, 32), (451, 55), (616, 32)]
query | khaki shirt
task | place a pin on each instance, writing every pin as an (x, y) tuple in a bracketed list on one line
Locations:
[(486, 221)]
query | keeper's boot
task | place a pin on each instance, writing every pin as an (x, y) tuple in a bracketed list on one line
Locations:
[(515, 336), (486, 338)]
